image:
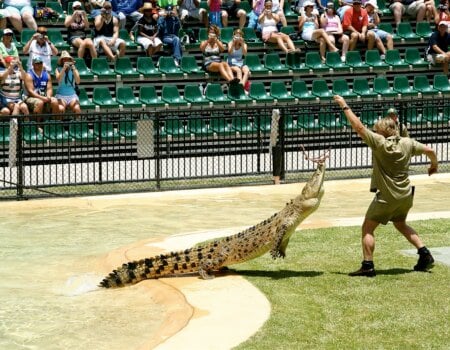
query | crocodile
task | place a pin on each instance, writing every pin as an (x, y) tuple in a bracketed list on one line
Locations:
[(272, 235)]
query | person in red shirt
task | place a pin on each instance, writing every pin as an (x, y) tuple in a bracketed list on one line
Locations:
[(355, 23)]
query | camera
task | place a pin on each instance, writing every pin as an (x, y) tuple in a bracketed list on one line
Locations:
[(442, 7)]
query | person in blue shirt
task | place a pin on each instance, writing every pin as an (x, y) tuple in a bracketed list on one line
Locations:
[(169, 25), (68, 78), (127, 9), (437, 50)]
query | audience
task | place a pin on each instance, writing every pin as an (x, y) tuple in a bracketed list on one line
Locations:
[(168, 27), (127, 9), (412, 8), (19, 10), (257, 9), (11, 78), (191, 8), (355, 24), (40, 46), (380, 35), (215, 13), (147, 30), (437, 51), (68, 78), (230, 9), (331, 23), (443, 13), (237, 49), (77, 23), (7, 46), (278, 9)]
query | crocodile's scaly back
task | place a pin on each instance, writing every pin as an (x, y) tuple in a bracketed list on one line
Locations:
[(271, 235)]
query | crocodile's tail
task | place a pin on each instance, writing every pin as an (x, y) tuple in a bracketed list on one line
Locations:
[(163, 265)]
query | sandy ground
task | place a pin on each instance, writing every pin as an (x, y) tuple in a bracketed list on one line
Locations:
[(223, 312)]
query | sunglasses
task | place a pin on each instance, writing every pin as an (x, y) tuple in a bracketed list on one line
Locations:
[(77, 8), (8, 34), (107, 8), (37, 63), (42, 33)]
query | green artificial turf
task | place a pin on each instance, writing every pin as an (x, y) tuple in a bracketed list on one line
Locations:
[(315, 305)]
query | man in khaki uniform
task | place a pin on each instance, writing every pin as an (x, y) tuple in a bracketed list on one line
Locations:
[(390, 181)]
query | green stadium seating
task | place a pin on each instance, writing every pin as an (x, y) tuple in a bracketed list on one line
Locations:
[(340, 87), (258, 93), (222, 127), (289, 29), (243, 125), (31, 134), (381, 86), (422, 85), (333, 60), (291, 124), (226, 34), (412, 57), (199, 127), (237, 94), (246, 6), (171, 96), (190, 67), (361, 87), (146, 67), (127, 129), (273, 63), (441, 83), (83, 70), (313, 61), (431, 114), (402, 86), (55, 36), (280, 93), (85, 102), (57, 7), (125, 69), (4, 133), (383, 8), (353, 60), (308, 122), (300, 91), (412, 117), (405, 31), (57, 132), (214, 93), (202, 34), (167, 66), (82, 132), (175, 128), (100, 67), (423, 30), (130, 44), (329, 121), (288, 13), (395, 61), (125, 97), (194, 95), (254, 64), (250, 37), (368, 117), (107, 131), (26, 35), (320, 89), (148, 96), (373, 59), (294, 63), (102, 98), (387, 27)]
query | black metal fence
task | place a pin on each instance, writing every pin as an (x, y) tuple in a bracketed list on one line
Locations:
[(114, 152)]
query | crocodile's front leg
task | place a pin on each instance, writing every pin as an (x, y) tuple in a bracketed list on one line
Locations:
[(278, 250), (209, 265)]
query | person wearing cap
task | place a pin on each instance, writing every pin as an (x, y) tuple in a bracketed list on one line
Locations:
[(106, 36), (11, 79), (308, 25), (332, 25), (77, 24), (147, 30), (355, 24), (68, 78), (7, 46), (390, 181), (168, 28), (19, 10), (38, 90), (127, 10), (442, 13), (437, 51), (393, 114), (40, 45), (380, 35), (191, 8)]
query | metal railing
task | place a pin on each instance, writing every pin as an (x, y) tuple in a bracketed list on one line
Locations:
[(175, 149)]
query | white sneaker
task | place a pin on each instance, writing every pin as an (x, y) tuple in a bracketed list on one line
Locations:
[(343, 59), (382, 57)]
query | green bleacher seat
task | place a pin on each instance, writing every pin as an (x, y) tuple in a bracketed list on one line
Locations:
[(55, 36), (237, 94), (361, 87), (31, 134), (246, 6), (405, 31), (146, 67), (383, 8), (313, 61), (85, 102), (200, 127), (320, 89), (368, 117), (125, 69), (226, 34), (412, 117), (340, 87), (387, 27), (294, 63), (107, 131), (291, 124), (149, 97), (258, 93), (130, 44), (308, 122), (289, 29), (202, 34), (190, 67), (288, 13), (54, 64), (102, 98), (353, 60), (100, 67), (423, 30), (250, 37), (333, 60), (221, 127), (280, 93), (214, 93), (431, 114), (402, 86), (125, 97), (254, 64), (82, 132), (127, 129), (4, 133), (26, 35), (167, 66), (422, 85), (56, 6), (329, 121), (56, 132), (441, 83), (412, 57), (273, 63), (381, 87), (171, 96), (394, 60), (243, 125), (194, 95), (373, 59), (300, 91), (176, 128), (83, 70)]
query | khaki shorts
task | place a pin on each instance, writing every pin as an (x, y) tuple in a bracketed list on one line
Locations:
[(383, 211), (33, 101)]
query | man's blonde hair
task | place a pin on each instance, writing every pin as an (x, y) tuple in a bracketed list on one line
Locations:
[(386, 127)]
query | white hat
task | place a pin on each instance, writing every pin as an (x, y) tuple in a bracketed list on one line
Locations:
[(76, 4), (8, 31), (373, 3), (443, 23), (308, 3)]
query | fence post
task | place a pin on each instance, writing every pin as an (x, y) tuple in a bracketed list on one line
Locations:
[(19, 164), (157, 153)]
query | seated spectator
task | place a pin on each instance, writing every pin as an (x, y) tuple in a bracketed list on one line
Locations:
[(214, 13), (77, 23), (68, 78), (19, 10), (344, 5), (211, 49), (380, 35), (300, 6), (331, 23), (40, 46), (237, 49), (147, 30), (268, 22), (168, 27), (230, 9), (257, 9), (96, 7), (437, 50), (308, 24), (38, 90), (278, 9), (106, 37), (416, 9), (127, 9), (7, 46), (191, 8), (442, 13), (4, 15), (355, 26), (11, 78)]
